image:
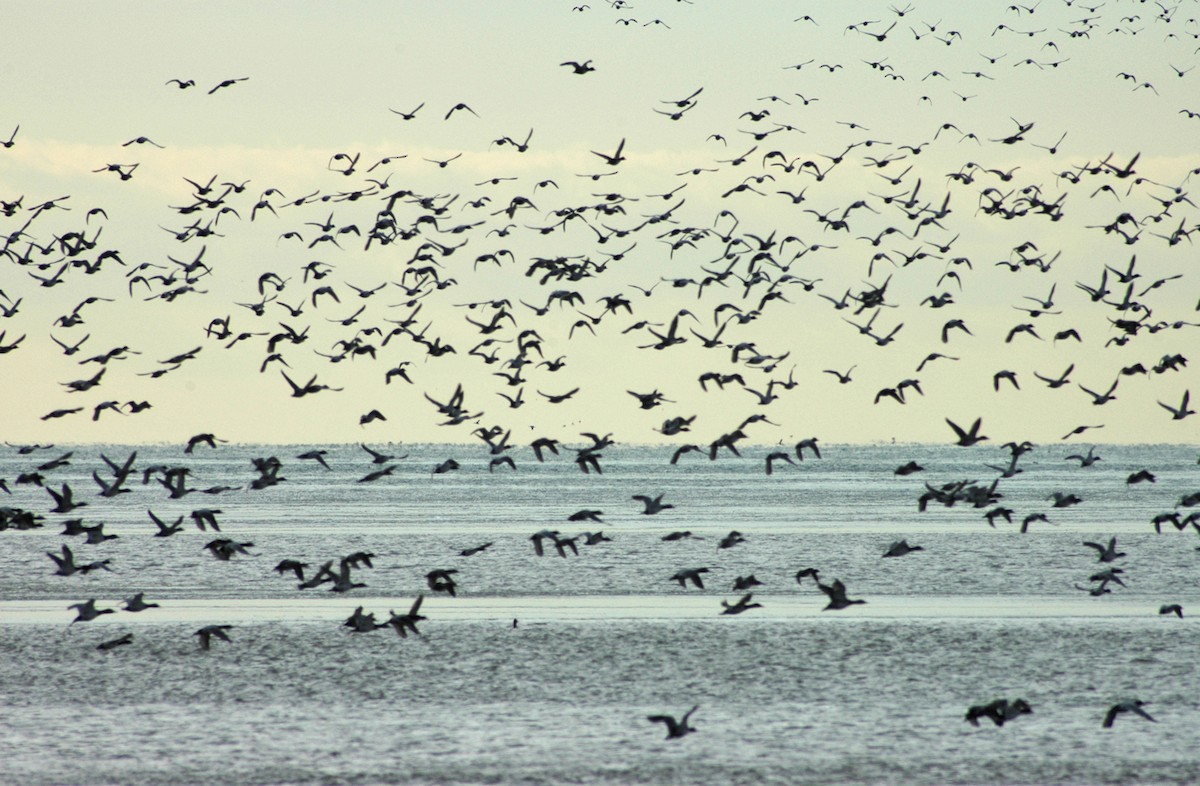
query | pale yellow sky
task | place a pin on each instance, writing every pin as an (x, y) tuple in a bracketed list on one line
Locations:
[(82, 80)]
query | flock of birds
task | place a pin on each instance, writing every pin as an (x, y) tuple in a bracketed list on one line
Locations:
[(645, 272)]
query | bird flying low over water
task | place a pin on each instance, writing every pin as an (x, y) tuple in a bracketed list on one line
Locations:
[(900, 548), (743, 604), (1106, 553), (209, 632), (690, 574), (87, 611), (406, 623), (675, 728), (652, 505), (837, 596), (968, 437), (1133, 706), (112, 644), (998, 712)]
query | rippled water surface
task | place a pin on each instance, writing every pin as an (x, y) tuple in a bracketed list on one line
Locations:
[(787, 693)]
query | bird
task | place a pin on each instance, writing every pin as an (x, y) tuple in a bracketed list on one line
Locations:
[(579, 68), (1132, 705), (809, 443), (406, 623), (87, 611), (743, 604), (66, 563), (614, 159), (227, 83), (408, 115), (900, 548), (675, 728), (460, 106), (690, 574), (999, 711), (1085, 460), (1182, 411), (316, 455), (1171, 608), (842, 378), (295, 567), (837, 596), (967, 438), (138, 603), (1107, 553), (64, 500), (734, 538), (360, 622), (652, 505), (540, 537), (442, 580), (208, 632), (778, 456), (112, 644), (745, 582), (202, 439)]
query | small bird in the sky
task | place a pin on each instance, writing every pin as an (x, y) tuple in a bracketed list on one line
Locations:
[(227, 83), (579, 68), (615, 158)]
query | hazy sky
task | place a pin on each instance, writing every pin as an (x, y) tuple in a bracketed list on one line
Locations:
[(915, 118)]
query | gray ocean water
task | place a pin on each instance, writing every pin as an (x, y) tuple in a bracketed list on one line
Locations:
[(786, 693)]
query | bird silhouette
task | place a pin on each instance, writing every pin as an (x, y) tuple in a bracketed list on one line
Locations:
[(969, 437), (743, 604), (1132, 706), (675, 728), (837, 596)]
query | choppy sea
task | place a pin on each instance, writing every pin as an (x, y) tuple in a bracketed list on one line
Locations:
[(543, 670)]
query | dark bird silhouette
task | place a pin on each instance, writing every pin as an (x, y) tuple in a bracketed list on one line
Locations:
[(837, 596), (652, 505), (1106, 553), (675, 728), (615, 158), (166, 530), (1133, 705), (743, 604), (690, 574), (408, 115), (579, 68), (209, 632), (407, 623), (112, 644), (87, 611), (138, 603), (456, 108), (295, 567), (967, 438), (227, 83), (1182, 411), (999, 711), (900, 548)]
